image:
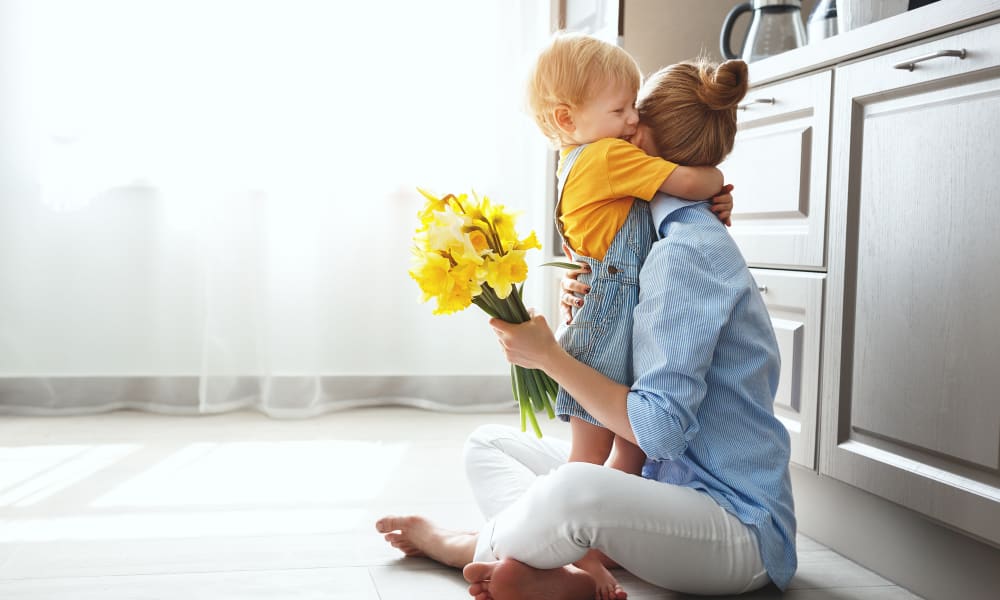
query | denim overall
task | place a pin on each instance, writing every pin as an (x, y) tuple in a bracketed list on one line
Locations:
[(601, 332)]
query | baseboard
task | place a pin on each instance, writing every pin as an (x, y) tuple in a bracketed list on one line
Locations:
[(280, 396), (899, 544)]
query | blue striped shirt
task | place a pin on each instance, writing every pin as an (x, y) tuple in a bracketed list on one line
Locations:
[(706, 370)]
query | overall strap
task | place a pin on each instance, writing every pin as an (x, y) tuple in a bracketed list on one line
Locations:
[(567, 166)]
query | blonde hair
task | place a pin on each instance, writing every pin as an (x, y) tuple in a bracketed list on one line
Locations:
[(690, 109), (570, 70)]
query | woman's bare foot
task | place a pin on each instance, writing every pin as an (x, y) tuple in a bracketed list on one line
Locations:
[(605, 585), (512, 580), (416, 536)]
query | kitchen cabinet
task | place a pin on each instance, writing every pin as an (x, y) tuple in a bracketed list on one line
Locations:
[(895, 267), (795, 301), (911, 357), (779, 165)]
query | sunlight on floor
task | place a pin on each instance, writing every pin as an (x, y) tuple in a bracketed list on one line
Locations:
[(202, 489), (30, 474), (181, 524), (261, 473)]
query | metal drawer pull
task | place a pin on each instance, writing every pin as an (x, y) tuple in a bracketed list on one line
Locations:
[(910, 64), (762, 289), (746, 105)]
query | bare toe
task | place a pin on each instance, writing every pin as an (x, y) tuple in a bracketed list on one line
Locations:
[(478, 572), (393, 523), (416, 536), (384, 525)]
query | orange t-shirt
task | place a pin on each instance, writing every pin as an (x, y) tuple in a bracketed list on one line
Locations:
[(606, 178)]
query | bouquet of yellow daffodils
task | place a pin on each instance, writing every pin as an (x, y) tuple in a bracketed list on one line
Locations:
[(467, 252)]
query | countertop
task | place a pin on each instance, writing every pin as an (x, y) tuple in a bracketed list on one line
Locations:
[(937, 18)]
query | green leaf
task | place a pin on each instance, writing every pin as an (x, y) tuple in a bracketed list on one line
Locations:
[(562, 265)]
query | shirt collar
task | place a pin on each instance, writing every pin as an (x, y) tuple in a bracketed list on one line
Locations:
[(662, 206)]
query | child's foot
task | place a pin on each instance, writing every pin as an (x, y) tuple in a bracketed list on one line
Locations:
[(512, 580), (606, 586), (416, 536)]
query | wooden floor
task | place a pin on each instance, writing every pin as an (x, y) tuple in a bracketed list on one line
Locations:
[(238, 506)]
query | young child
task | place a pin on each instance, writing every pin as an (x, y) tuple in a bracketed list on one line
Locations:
[(582, 93)]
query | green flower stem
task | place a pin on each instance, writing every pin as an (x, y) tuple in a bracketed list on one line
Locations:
[(517, 397), (526, 403), (498, 305), (534, 394), (522, 398), (532, 388), (524, 410), (517, 306), (549, 397), (553, 387), (534, 423), (481, 303)]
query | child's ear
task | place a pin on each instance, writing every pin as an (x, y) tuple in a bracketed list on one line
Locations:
[(564, 118)]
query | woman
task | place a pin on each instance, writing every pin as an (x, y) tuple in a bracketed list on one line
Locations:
[(712, 512)]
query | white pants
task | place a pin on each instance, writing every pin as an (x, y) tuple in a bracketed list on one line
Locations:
[(548, 513)]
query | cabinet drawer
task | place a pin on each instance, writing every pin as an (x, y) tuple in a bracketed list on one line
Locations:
[(926, 65), (795, 302), (779, 169)]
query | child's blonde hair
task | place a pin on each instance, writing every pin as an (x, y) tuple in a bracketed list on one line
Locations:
[(570, 71), (690, 109)]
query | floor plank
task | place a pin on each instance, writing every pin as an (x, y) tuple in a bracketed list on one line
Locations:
[(300, 584), (134, 505)]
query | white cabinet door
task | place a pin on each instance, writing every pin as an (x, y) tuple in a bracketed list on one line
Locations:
[(911, 375), (795, 303), (779, 168)]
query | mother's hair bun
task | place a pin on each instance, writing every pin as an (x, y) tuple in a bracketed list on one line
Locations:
[(724, 85)]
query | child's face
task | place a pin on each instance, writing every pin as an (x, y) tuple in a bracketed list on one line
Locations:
[(610, 113)]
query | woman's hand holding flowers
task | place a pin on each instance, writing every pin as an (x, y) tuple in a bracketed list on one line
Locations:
[(530, 344)]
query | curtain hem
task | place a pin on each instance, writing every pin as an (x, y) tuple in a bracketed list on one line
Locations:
[(285, 397)]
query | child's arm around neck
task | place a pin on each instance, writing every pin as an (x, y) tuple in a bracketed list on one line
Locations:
[(689, 183), (693, 183)]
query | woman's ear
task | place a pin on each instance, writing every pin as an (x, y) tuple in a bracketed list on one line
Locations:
[(564, 118), (643, 138)]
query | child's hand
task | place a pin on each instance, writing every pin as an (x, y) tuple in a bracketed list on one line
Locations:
[(572, 292), (722, 204)]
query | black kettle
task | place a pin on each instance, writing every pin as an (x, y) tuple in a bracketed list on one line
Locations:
[(776, 26)]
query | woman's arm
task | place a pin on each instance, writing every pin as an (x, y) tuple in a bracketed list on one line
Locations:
[(532, 345)]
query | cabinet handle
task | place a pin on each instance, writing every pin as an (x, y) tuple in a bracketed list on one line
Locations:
[(909, 65), (746, 105), (762, 288)]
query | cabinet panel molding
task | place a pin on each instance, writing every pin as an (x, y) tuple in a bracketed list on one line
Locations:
[(779, 168), (795, 302), (911, 378)]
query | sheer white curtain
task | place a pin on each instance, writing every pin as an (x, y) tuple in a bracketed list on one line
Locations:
[(208, 204)]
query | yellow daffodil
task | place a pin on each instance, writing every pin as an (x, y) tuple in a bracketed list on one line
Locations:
[(529, 243), (503, 272), (468, 252), (430, 271), (447, 234), (479, 241), (434, 204), (503, 224)]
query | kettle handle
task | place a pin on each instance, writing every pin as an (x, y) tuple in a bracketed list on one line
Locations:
[(727, 29)]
